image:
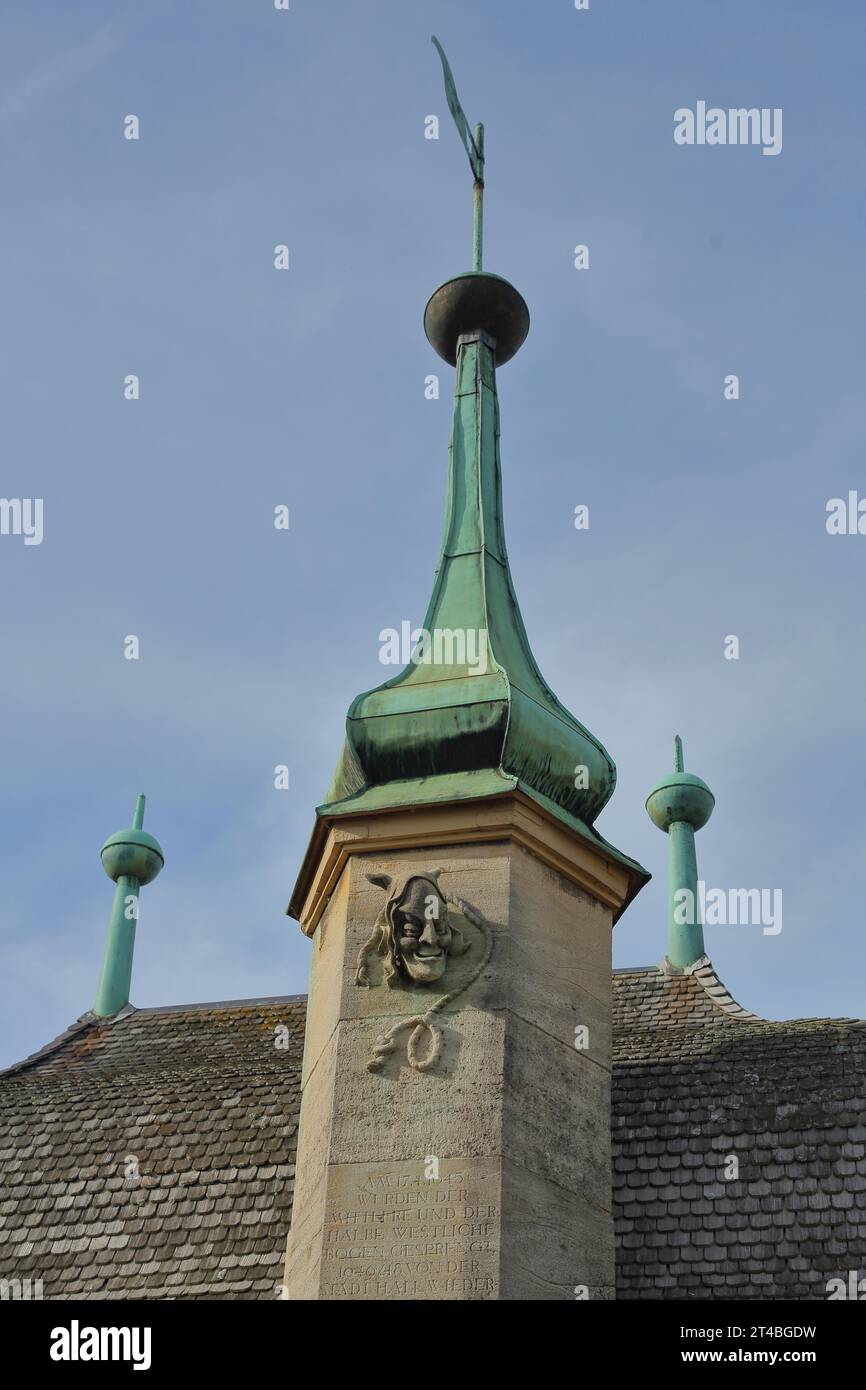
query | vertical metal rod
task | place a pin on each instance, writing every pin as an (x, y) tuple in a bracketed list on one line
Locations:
[(685, 939), (478, 206), (116, 976)]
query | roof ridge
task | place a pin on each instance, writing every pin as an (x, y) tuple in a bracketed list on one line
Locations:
[(89, 1019), (721, 998), (223, 1004), (718, 993), (73, 1031), (704, 972)]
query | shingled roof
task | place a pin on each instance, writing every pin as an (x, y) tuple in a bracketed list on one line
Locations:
[(152, 1155), (697, 1079)]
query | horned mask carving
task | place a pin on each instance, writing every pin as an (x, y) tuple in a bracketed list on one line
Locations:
[(413, 931)]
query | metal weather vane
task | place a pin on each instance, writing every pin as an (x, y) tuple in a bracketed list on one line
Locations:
[(474, 146)]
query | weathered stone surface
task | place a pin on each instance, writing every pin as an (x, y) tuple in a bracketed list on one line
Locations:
[(559, 1244), (556, 1112), (391, 1232), (401, 1114), (512, 1115)]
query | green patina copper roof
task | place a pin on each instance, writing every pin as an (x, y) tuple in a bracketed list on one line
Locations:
[(471, 716), (480, 703)]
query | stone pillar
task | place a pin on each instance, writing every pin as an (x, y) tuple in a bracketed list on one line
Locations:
[(488, 1174)]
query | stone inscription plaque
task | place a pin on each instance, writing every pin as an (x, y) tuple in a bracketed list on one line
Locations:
[(391, 1232)]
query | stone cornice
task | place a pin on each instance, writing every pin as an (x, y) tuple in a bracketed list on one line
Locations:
[(516, 818)]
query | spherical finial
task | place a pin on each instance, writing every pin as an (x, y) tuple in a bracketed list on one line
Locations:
[(472, 303), (132, 853), (681, 796)]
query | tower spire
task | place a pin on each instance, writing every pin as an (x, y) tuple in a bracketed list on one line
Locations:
[(680, 804), (467, 793), (471, 714), (131, 858)]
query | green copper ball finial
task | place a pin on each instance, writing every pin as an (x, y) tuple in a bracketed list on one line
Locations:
[(133, 852), (680, 804), (475, 302), (131, 858), (680, 797)]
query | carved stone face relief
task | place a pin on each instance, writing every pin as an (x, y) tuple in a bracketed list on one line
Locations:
[(417, 938), (413, 931), (422, 934)]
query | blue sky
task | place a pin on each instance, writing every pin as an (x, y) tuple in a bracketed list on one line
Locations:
[(707, 516)]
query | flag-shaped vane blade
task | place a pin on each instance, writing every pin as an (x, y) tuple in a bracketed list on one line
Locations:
[(476, 159)]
